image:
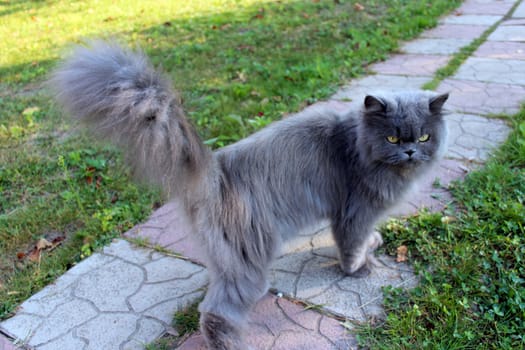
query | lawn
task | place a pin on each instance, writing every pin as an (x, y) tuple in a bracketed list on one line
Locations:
[(238, 64)]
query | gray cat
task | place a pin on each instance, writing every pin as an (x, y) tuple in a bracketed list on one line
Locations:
[(244, 199)]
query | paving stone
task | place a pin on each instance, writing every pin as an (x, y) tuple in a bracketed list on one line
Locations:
[(520, 11), (356, 91), (472, 137), (434, 46), (513, 22), (150, 295), (126, 251), (21, 327), (104, 292), (94, 262), (68, 341), (455, 31), (75, 312), (474, 20), (6, 344), (491, 1), (430, 192), (413, 65), (115, 283), (146, 328), (167, 269), (473, 97), (501, 50), (277, 323), (487, 8), (91, 331), (169, 227), (508, 33), (165, 310)]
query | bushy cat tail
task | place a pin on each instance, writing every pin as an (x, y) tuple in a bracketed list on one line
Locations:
[(119, 96)]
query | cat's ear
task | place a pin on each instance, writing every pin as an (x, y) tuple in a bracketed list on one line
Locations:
[(436, 103), (374, 104)]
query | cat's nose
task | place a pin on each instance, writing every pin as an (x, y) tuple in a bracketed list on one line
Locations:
[(410, 152)]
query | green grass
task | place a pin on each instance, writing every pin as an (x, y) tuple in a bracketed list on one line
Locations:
[(472, 264), (239, 65), (185, 322)]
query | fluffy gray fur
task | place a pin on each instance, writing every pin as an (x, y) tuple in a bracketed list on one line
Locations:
[(246, 198)]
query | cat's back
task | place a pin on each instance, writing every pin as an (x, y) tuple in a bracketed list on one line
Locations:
[(300, 133)]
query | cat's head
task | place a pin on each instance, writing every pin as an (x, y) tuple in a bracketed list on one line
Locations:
[(403, 130)]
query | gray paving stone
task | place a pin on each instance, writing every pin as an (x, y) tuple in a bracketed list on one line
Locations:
[(125, 251), (105, 292), (471, 134), (501, 50), (492, 70), (475, 20), (109, 287), (146, 328), (96, 332), (508, 33), (164, 311), (470, 7), (455, 31), (434, 46), (520, 11), (21, 327), (167, 269), (65, 318), (151, 295), (68, 341), (356, 91), (94, 262), (482, 98), (412, 65)]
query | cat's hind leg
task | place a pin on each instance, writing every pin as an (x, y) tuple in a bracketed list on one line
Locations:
[(237, 281)]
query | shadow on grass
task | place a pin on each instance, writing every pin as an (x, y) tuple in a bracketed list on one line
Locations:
[(240, 70)]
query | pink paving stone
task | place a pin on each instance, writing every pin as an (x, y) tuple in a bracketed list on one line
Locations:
[(476, 8), (472, 97), (455, 31), (411, 65), (5, 344), (501, 50), (170, 227), (278, 323)]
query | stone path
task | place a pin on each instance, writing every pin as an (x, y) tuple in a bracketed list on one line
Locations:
[(124, 297)]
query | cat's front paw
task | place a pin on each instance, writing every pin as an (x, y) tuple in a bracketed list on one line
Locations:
[(374, 241), (361, 272)]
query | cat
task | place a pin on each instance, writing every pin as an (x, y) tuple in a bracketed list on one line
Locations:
[(246, 198)]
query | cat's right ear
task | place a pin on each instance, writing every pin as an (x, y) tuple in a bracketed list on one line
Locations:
[(374, 104)]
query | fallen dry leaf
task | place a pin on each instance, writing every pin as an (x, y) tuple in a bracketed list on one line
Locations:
[(43, 244), (49, 243), (402, 251), (358, 7)]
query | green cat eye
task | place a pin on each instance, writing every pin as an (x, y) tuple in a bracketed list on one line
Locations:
[(392, 139), (424, 138)]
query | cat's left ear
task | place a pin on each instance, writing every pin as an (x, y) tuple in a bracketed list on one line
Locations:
[(436, 103), (374, 104)]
